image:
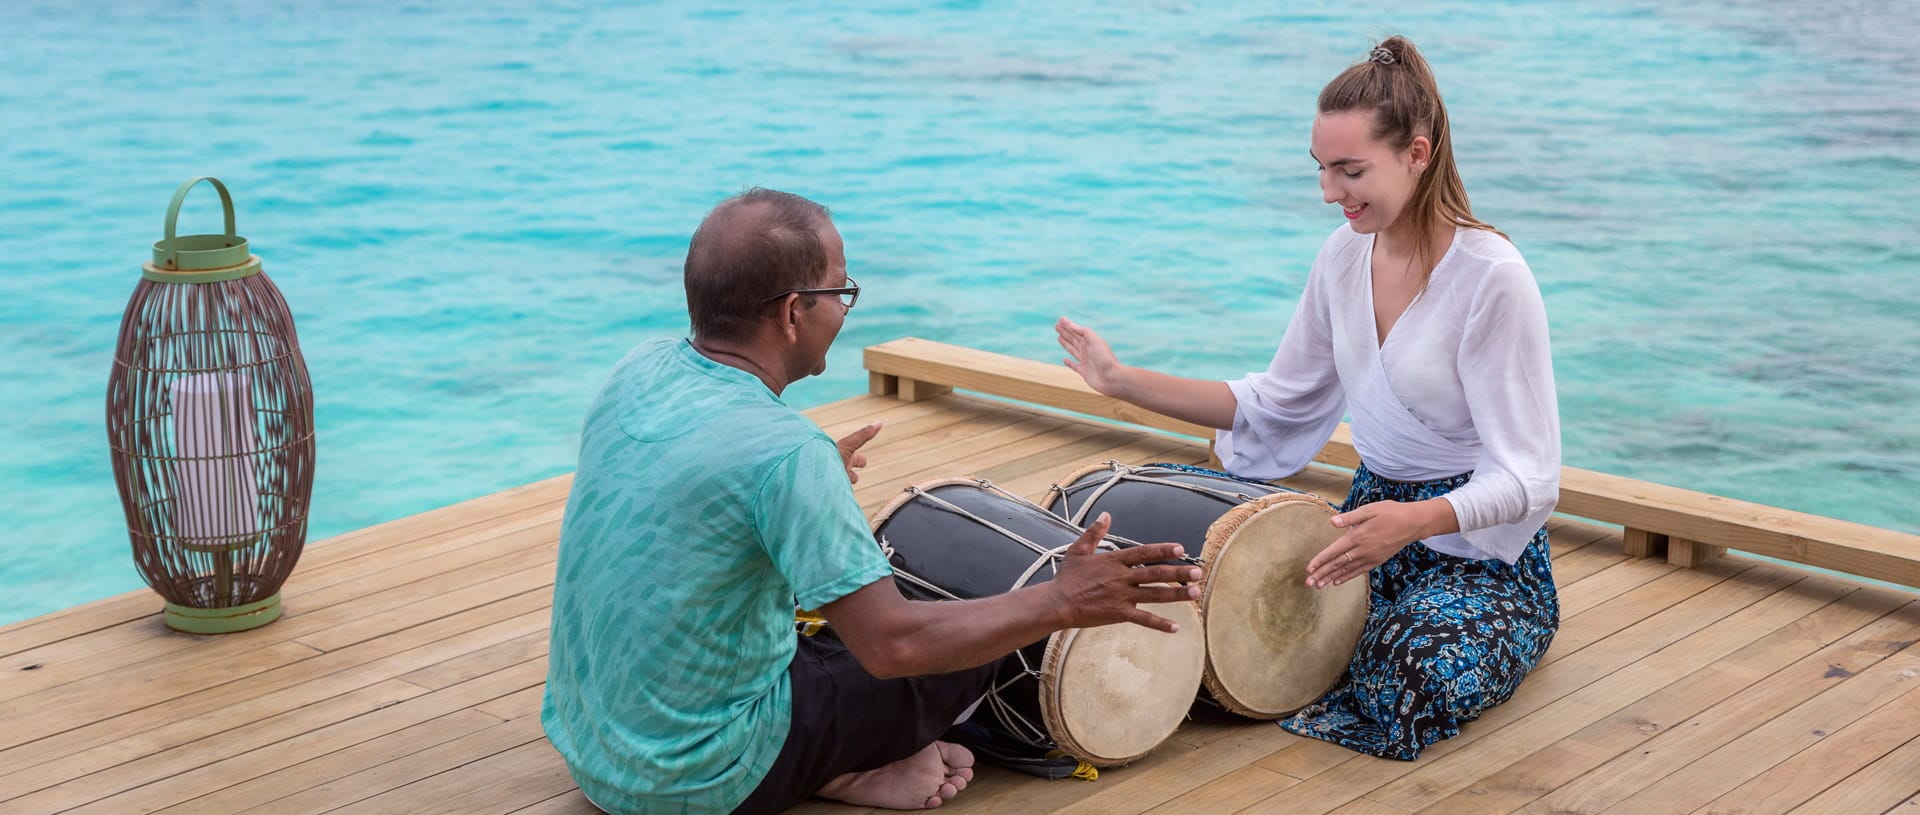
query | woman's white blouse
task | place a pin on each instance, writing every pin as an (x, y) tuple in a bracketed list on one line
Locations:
[(1464, 382)]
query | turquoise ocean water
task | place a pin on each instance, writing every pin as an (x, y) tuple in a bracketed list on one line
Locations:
[(475, 211)]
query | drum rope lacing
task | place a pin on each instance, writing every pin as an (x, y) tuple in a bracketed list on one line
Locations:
[(1126, 473), (1011, 718)]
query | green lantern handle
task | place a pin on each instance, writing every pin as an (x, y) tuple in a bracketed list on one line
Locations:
[(173, 215)]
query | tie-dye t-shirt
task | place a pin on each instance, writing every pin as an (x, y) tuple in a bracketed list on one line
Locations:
[(703, 510)]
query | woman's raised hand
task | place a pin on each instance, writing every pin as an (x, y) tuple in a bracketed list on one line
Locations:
[(1090, 357)]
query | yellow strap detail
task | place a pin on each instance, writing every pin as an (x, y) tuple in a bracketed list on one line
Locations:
[(1084, 772), (808, 623)]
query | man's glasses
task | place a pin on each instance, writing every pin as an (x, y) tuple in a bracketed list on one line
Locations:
[(848, 294)]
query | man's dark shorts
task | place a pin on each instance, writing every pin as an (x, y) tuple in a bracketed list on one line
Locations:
[(847, 720)]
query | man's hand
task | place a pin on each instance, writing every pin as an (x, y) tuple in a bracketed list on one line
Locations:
[(850, 449), (1096, 588)]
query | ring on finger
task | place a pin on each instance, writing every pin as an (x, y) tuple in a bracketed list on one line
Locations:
[(1347, 557)]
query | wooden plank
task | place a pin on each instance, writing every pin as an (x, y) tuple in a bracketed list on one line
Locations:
[(158, 766), (1779, 738), (1025, 380), (1690, 553), (529, 577), (374, 767), (849, 409), (914, 390), (1641, 543), (570, 802), (1676, 747), (1892, 782), (1555, 679), (1306, 759), (385, 537), (1566, 716), (219, 708), (515, 705), (1229, 792), (879, 384), (98, 697), (1133, 790), (1367, 806), (1609, 583), (1816, 768), (502, 782), (920, 423), (480, 662), (216, 763), (154, 681), (885, 478), (1672, 587), (270, 791), (1830, 543), (342, 603), (1816, 639)]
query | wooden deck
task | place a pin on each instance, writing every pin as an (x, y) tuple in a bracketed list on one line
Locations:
[(407, 674)]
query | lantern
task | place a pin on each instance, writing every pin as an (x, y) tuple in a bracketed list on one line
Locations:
[(210, 419)]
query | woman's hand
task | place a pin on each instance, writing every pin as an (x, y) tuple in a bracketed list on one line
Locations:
[(1091, 357), (1376, 532)]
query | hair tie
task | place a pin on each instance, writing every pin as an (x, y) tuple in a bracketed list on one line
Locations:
[(1381, 55)]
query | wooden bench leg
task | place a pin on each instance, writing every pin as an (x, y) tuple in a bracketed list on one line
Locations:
[(913, 390), (1690, 553), (1641, 543), (880, 384)]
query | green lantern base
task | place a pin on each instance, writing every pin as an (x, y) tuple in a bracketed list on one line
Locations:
[(223, 620)]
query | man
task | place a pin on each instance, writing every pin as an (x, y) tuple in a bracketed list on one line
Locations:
[(704, 509)]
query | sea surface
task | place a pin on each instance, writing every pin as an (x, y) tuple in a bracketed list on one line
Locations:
[(475, 209)]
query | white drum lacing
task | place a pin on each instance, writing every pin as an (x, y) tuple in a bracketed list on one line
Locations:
[(1016, 724), (1123, 473)]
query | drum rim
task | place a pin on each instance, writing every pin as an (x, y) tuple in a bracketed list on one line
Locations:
[(1220, 535), (1060, 486), (886, 511), (1058, 645)]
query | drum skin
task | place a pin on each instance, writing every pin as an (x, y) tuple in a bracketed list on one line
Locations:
[(1274, 645), (1105, 695)]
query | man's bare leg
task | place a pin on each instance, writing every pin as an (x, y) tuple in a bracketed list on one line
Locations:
[(923, 780)]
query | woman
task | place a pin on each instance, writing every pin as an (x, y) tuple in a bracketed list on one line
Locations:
[(1427, 326)]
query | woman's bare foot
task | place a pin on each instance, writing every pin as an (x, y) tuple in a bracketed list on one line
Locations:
[(923, 780)]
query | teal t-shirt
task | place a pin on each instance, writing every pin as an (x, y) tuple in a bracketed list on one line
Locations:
[(703, 510)]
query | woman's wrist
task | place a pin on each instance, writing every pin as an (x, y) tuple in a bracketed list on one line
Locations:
[(1124, 384), (1440, 518)]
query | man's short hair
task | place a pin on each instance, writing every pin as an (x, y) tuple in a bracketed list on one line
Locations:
[(751, 247)]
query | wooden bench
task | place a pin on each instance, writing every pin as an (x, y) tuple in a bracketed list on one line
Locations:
[(1686, 527)]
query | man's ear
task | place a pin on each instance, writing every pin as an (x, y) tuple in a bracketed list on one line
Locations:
[(789, 316)]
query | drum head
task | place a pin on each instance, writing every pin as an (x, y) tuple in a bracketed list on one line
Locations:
[(1273, 644), (1111, 694)]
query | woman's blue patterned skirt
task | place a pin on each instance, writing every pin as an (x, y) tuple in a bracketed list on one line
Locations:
[(1446, 638)]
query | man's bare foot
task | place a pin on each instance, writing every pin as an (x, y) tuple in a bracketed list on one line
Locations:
[(959, 761), (923, 780)]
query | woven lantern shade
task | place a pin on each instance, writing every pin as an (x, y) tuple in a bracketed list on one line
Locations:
[(210, 418)]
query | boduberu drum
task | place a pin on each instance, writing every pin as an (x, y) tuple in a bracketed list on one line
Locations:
[(1274, 645), (1106, 695)]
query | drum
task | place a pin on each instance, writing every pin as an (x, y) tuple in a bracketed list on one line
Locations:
[(1273, 644), (1106, 695)]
